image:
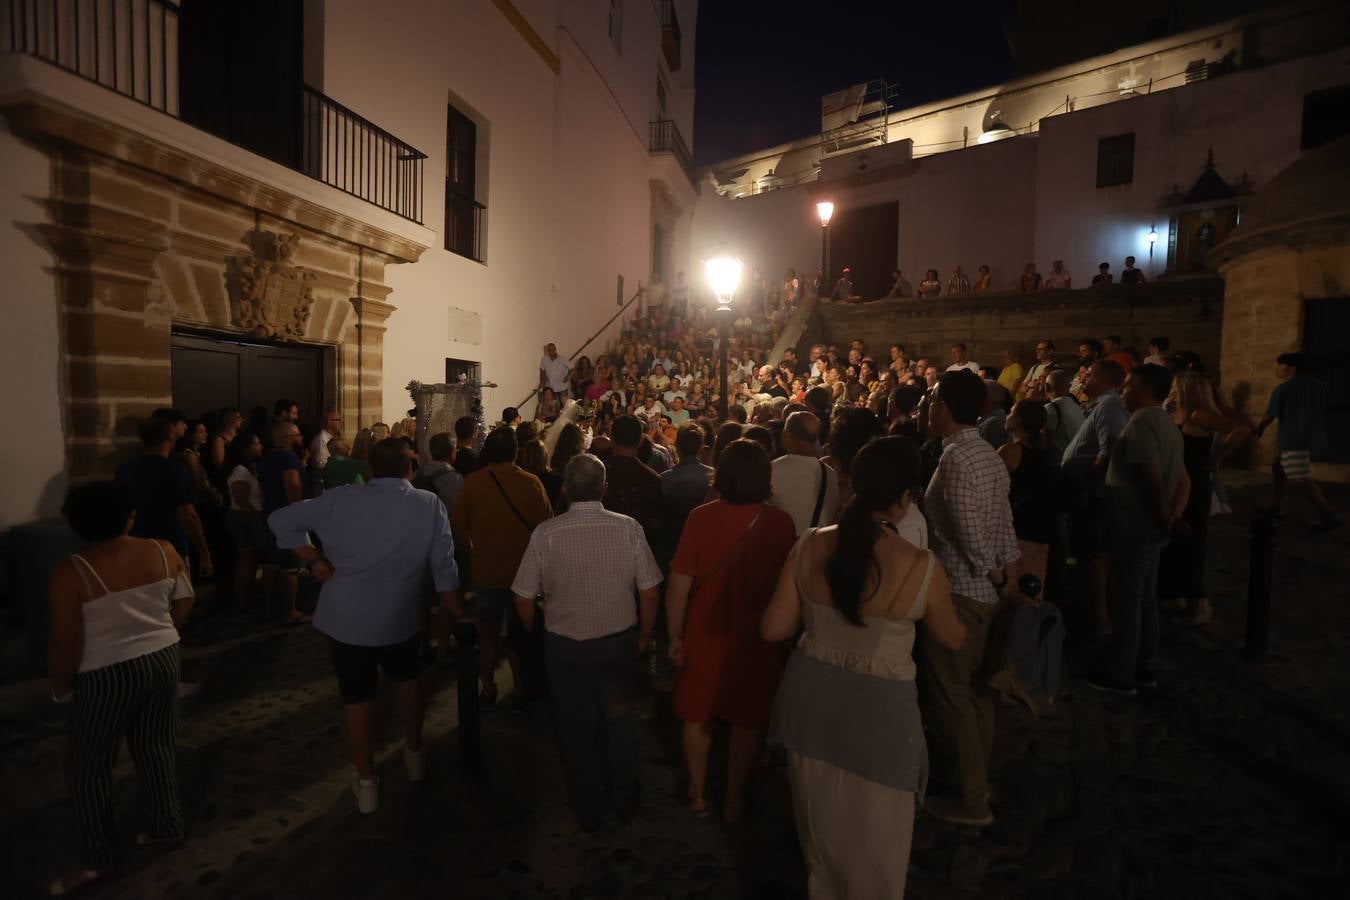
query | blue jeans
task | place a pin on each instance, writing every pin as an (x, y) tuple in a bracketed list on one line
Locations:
[(1132, 592)]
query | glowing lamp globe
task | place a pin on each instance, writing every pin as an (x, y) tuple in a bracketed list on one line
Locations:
[(825, 209), (724, 274)]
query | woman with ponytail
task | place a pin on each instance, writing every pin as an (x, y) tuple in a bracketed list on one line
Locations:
[(847, 710)]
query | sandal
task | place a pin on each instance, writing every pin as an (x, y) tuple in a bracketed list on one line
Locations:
[(1201, 613), (81, 878), (699, 807)]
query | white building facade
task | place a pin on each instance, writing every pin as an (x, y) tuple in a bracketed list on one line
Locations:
[(1081, 163), (414, 188)]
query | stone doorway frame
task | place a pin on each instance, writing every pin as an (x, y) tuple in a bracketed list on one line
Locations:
[(144, 236)]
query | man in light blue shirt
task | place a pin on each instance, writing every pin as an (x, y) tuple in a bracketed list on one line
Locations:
[(380, 541), (1086, 459)]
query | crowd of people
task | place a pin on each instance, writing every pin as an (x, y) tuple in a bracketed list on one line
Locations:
[(856, 559), (959, 284)]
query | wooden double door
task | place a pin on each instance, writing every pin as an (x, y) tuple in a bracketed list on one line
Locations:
[(210, 372)]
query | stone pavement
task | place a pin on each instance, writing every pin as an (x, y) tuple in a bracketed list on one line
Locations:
[(1230, 780)]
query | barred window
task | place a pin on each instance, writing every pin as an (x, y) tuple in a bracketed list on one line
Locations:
[(1115, 160)]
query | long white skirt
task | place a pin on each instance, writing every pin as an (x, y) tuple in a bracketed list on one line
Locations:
[(855, 834)]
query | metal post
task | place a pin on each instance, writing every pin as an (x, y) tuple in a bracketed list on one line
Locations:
[(824, 260), (1261, 571), (466, 685), (723, 319)]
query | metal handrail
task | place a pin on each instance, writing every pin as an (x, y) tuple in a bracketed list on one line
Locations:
[(590, 340)]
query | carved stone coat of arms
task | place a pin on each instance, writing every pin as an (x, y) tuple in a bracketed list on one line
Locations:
[(275, 297)]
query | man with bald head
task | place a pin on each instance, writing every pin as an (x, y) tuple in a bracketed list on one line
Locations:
[(803, 486)]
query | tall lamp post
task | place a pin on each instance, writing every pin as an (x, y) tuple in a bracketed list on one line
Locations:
[(824, 209), (724, 274)]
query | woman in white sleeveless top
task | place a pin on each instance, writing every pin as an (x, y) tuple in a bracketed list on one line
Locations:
[(116, 608), (847, 710)]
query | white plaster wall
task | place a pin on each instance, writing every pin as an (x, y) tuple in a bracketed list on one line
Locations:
[(602, 217), (1250, 119), (630, 72), (1034, 198), (402, 78), (968, 208), (32, 454)]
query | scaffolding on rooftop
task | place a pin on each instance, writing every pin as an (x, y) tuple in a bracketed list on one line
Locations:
[(859, 117)]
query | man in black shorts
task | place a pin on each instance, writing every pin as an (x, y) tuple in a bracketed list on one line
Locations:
[(379, 543)]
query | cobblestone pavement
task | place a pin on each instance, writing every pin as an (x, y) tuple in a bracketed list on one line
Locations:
[(1231, 780)]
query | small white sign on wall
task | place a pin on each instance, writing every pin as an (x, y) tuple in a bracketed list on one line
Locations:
[(466, 326)]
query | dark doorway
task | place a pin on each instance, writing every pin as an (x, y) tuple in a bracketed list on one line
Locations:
[(241, 69), (1325, 323), (210, 372), (865, 240)]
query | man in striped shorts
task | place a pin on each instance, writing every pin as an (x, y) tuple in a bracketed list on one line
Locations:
[(1300, 403)]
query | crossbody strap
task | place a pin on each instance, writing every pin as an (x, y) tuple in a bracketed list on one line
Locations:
[(820, 494), (507, 497), (731, 551)]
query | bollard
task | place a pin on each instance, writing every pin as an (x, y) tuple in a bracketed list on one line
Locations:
[(466, 686), (1260, 574)]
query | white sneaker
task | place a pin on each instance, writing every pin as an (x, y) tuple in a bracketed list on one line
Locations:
[(416, 763), (367, 794)]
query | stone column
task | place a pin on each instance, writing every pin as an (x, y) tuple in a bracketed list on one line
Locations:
[(115, 323), (363, 365)]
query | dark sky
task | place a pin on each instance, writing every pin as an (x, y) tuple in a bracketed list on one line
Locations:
[(763, 67)]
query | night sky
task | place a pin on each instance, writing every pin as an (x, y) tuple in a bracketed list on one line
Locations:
[(763, 67)]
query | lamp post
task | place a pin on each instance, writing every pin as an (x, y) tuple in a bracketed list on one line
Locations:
[(1152, 239), (824, 209), (724, 274)]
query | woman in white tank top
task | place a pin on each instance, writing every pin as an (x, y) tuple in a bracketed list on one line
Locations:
[(116, 608)]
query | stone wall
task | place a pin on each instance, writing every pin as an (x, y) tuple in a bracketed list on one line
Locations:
[(146, 238), (1263, 317), (1189, 311)]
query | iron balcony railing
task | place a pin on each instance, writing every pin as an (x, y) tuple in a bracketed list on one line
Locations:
[(671, 39), (353, 154), (131, 47), (665, 137), (463, 225)]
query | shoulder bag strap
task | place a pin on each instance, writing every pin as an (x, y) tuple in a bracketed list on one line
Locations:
[(507, 497), (820, 494), (726, 557)]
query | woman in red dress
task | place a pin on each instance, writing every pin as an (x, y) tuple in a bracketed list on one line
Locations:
[(723, 575)]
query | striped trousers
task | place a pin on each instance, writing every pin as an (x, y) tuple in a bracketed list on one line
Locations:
[(134, 699)]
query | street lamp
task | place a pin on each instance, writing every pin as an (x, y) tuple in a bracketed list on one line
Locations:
[(724, 274), (824, 209)]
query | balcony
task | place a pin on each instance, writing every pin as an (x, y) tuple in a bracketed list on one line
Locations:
[(132, 47), (670, 35), (665, 138)]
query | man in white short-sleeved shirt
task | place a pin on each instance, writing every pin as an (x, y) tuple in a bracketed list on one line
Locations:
[(593, 635), (553, 371)]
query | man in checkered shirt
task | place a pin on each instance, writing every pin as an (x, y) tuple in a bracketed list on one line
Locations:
[(971, 531), (594, 634)]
